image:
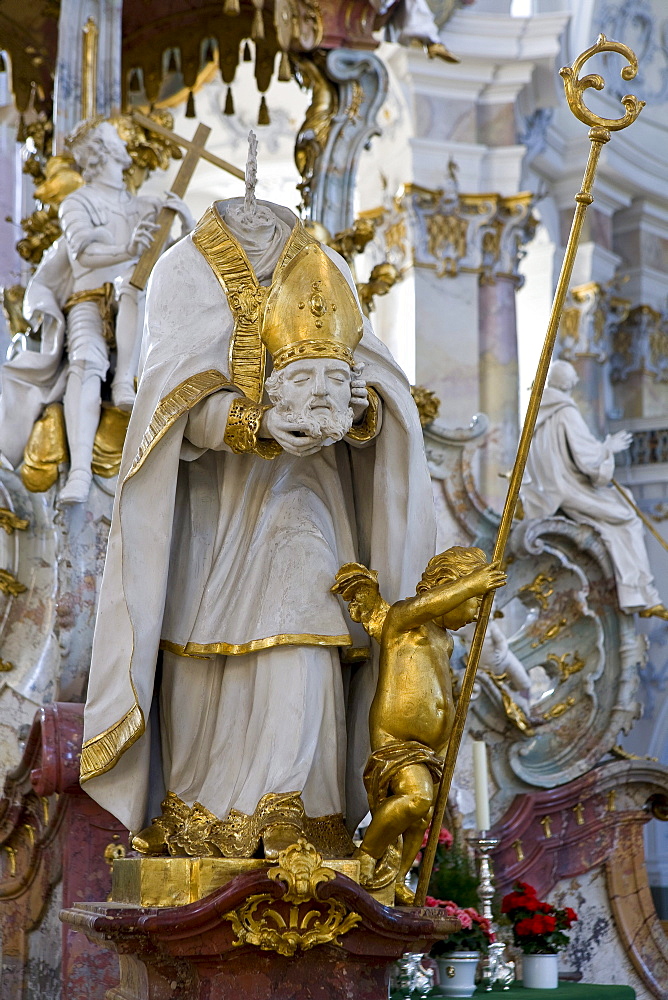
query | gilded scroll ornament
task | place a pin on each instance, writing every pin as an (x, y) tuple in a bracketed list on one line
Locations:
[(194, 831), (300, 868), (568, 664), (10, 585), (558, 710), (427, 402), (514, 713), (575, 87), (539, 589), (11, 522)]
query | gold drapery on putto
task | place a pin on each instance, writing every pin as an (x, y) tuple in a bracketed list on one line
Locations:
[(385, 762)]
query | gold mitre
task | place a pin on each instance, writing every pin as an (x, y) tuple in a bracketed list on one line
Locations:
[(311, 311)]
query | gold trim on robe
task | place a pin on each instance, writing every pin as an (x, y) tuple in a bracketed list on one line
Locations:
[(199, 650), (246, 297)]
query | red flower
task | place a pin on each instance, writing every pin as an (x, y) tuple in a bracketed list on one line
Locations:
[(527, 889), (570, 915), (518, 901), (524, 928)]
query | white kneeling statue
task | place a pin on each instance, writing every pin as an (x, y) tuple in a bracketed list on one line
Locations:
[(242, 491), (571, 470)]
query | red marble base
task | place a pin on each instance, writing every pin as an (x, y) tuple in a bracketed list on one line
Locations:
[(195, 952), (50, 828)]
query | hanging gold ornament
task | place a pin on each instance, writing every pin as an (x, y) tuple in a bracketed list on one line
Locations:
[(284, 68), (231, 8), (190, 106), (263, 114), (229, 102), (257, 31)]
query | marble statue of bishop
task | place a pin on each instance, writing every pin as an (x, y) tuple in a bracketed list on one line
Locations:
[(242, 490)]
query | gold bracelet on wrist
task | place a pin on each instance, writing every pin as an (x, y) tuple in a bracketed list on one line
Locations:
[(368, 426), (243, 428)]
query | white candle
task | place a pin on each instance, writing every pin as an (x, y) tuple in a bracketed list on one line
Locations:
[(480, 783)]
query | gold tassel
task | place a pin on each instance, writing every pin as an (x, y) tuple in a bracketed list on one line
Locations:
[(247, 53), (135, 82), (263, 114), (172, 65), (231, 8), (229, 102), (284, 68), (190, 106), (210, 53), (257, 31)]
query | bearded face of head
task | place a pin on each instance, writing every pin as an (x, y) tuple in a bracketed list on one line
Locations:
[(314, 394)]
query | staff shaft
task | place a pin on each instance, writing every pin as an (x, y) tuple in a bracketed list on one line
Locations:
[(598, 136)]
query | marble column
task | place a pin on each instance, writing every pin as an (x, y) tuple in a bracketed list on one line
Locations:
[(67, 92)]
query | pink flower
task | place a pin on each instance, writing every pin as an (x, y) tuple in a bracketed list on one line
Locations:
[(445, 837)]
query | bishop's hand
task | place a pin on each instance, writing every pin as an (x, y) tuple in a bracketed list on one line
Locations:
[(288, 434)]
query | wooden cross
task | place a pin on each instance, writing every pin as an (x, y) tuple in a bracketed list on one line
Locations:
[(196, 151)]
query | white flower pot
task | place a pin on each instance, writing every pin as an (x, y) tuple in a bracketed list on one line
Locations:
[(456, 973), (540, 972)]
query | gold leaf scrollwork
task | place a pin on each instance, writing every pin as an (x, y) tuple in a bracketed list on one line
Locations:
[(10, 585), (300, 868), (540, 589), (567, 669), (575, 87), (11, 522)]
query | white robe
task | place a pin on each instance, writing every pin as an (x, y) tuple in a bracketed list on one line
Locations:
[(570, 469), (206, 546)]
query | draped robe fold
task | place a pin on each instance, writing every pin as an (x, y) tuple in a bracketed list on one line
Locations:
[(203, 538)]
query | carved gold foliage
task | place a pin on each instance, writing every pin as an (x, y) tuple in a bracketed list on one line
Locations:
[(559, 709), (567, 669), (447, 233), (427, 403), (550, 633), (193, 830), (6, 666), (10, 585), (514, 713), (11, 522), (256, 922), (539, 589)]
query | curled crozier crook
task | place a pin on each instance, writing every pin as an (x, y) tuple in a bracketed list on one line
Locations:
[(575, 87)]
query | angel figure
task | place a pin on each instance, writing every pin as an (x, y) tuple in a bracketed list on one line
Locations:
[(412, 712)]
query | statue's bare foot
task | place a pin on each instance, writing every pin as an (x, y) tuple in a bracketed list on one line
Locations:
[(278, 836), (77, 487), (123, 396), (151, 840), (403, 895), (656, 611), (436, 50)]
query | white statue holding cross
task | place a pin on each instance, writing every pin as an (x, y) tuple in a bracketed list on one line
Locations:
[(87, 296)]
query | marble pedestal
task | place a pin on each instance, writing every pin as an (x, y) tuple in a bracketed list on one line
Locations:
[(51, 832), (258, 937)]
